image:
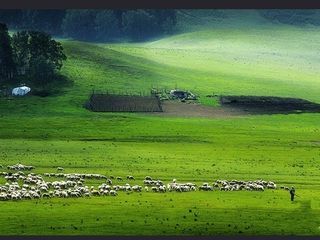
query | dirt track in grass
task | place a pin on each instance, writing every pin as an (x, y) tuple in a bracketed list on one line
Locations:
[(236, 106), (180, 109)]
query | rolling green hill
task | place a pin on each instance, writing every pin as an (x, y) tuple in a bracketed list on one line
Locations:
[(274, 60)]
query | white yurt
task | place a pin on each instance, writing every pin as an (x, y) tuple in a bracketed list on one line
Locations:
[(20, 91)]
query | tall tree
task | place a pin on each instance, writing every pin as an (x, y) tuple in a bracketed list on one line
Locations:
[(107, 25), (34, 51), (7, 66), (165, 18), (20, 42), (80, 24), (43, 20), (139, 25), (292, 16), (118, 14)]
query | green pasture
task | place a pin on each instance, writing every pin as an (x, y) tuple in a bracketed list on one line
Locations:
[(58, 131)]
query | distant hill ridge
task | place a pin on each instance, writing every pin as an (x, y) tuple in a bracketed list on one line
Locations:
[(141, 25), (195, 19)]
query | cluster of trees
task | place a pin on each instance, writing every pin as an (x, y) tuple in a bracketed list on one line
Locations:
[(94, 25), (292, 16), (31, 57)]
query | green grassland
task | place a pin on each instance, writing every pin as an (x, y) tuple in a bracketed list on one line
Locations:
[(57, 131)]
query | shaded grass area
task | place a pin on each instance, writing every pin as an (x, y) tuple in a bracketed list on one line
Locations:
[(256, 61), (270, 105)]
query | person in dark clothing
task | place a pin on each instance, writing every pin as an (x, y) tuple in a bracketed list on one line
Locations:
[(292, 193)]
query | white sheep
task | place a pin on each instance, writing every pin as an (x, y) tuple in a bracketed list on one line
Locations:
[(113, 193)]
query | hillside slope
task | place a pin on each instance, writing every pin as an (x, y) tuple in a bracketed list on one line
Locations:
[(275, 60), (278, 61)]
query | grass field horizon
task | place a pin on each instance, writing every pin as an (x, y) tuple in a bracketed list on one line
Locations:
[(267, 60)]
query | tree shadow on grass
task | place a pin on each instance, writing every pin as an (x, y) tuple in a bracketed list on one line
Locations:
[(55, 88), (269, 104)]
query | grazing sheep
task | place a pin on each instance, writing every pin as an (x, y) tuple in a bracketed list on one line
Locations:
[(33, 185), (178, 189), (109, 181), (29, 168), (136, 188), (15, 196), (27, 196), (95, 193), (43, 189), (35, 195), (60, 169), (271, 186), (147, 182), (3, 196), (224, 188), (105, 193), (159, 183), (19, 167), (113, 193), (162, 189), (64, 194), (206, 187), (86, 194), (259, 188), (75, 194), (129, 177)]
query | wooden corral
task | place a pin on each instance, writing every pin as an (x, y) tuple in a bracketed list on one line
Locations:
[(123, 103)]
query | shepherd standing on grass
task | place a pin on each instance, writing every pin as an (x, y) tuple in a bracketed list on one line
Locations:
[(292, 193)]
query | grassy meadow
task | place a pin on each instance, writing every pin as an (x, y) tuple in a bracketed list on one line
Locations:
[(274, 60)]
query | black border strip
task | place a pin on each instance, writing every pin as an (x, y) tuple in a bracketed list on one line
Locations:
[(153, 4)]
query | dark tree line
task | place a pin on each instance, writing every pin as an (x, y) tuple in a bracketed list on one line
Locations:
[(94, 25), (31, 57), (7, 65), (292, 16), (39, 20)]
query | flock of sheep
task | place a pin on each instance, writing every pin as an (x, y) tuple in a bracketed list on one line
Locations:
[(20, 185)]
